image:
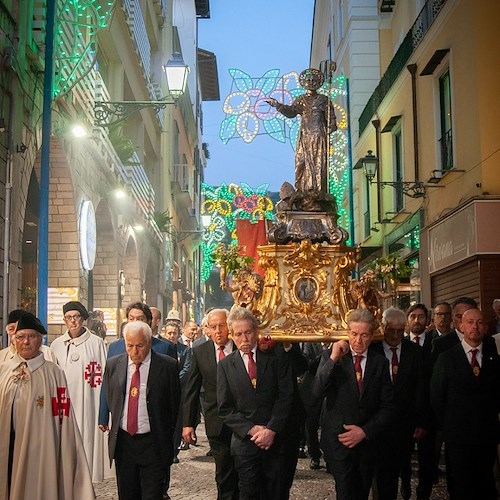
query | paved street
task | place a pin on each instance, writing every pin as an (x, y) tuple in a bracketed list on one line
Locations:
[(193, 479)]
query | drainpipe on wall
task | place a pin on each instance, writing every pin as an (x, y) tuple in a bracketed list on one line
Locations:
[(412, 68), (43, 227), (376, 124)]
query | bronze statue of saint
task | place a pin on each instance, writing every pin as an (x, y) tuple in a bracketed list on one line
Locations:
[(318, 122)]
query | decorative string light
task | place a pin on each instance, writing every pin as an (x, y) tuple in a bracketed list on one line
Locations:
[(225, 205), (248, 115)]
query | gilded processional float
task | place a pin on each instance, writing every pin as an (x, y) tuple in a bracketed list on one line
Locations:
[(307, 290)]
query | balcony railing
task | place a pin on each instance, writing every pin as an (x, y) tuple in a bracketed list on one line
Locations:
[(410, 43), (446, 144)]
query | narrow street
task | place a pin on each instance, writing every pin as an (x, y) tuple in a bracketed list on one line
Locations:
[(193, 479)]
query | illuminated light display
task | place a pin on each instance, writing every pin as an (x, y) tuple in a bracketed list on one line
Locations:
[(225, 205), (77, 25), (248, 116)]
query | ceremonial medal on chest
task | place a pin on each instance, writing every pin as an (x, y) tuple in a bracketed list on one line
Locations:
[(134, 392), (476, 371), (75, 356), (358, 376), (395, 370), (22, 376), (40, 401), (254, 382)]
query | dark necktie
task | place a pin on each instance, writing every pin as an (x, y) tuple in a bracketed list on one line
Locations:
[(133, 401), (252, 369), (358, 371), (394, 363), (417, 340), (222, 354), (474, 363)]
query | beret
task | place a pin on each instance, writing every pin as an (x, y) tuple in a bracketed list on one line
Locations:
[(74, 305), (30, 322), (15, 315)]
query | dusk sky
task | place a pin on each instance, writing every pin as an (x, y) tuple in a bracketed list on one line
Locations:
[(254, 37)]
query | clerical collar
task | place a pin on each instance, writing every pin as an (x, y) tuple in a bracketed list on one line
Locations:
[(34, 363), (77, 340)]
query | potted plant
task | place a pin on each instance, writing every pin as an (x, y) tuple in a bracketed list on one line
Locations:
[(391, 268)]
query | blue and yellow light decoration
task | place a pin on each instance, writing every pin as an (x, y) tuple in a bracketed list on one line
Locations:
[(225, 204)]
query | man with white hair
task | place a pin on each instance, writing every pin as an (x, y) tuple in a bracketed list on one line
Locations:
[(42, 455), (406, 370), (143, 394)]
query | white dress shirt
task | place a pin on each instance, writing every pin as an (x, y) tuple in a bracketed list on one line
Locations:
[(143, 426), (228, 349), (479, 354), (244, 357), (421, 338), (363, 361), (388, 354)]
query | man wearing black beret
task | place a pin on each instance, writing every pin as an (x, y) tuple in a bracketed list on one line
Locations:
[(42, 454), (82, 355)]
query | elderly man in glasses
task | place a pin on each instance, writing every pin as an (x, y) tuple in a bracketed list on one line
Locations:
[(82, 356), (42, 454)]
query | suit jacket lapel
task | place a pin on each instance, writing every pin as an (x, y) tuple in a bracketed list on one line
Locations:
[(368, 374), (154, 372), (262, 363), (241, 373)]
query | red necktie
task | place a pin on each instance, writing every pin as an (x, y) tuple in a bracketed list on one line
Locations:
[(252, 369), (394, 363), (416, 340), (222, 354), (474, 363), (359, 372), (188, 342), (133, 401)]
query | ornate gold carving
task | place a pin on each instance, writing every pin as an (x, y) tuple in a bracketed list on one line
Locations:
[(270, 299), (341, 296)]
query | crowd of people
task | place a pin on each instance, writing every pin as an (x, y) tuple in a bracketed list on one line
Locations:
[(416, 382)]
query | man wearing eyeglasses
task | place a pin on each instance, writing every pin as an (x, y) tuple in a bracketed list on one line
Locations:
[(42, 454), (82, 356)]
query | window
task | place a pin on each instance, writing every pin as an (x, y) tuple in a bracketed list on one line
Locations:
[(367, 216), (398, 168), (446, 141)]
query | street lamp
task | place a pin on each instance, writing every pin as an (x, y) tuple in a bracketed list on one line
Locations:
[(415, 189), (109, 113)]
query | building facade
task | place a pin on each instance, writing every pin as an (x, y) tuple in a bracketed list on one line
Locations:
[(423, 101), (113, 210)]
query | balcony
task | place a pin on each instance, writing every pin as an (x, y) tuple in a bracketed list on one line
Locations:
[(410, 43)]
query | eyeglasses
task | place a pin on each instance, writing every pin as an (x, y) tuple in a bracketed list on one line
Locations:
[(29, 336), (76, 317)]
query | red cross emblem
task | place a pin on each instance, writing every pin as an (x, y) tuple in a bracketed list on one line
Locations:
[(61, 404), (93, 374)]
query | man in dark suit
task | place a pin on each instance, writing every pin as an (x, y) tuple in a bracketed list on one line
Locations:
[(172, 332), (441, 320), (254, 394), (358, 408), (412, 407), (466, 401), (141, 312), (136, 311), (203, 373), (417, 318), (442, 344), (143, 391)]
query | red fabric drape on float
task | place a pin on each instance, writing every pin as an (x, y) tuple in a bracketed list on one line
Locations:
[(250, 236)]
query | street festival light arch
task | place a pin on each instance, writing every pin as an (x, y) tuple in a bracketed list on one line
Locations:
[(248, 116)]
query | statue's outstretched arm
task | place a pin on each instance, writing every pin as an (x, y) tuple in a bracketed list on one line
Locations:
[(289, 111)]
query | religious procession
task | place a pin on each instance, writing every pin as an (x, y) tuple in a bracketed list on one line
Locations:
[(326, 328)]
